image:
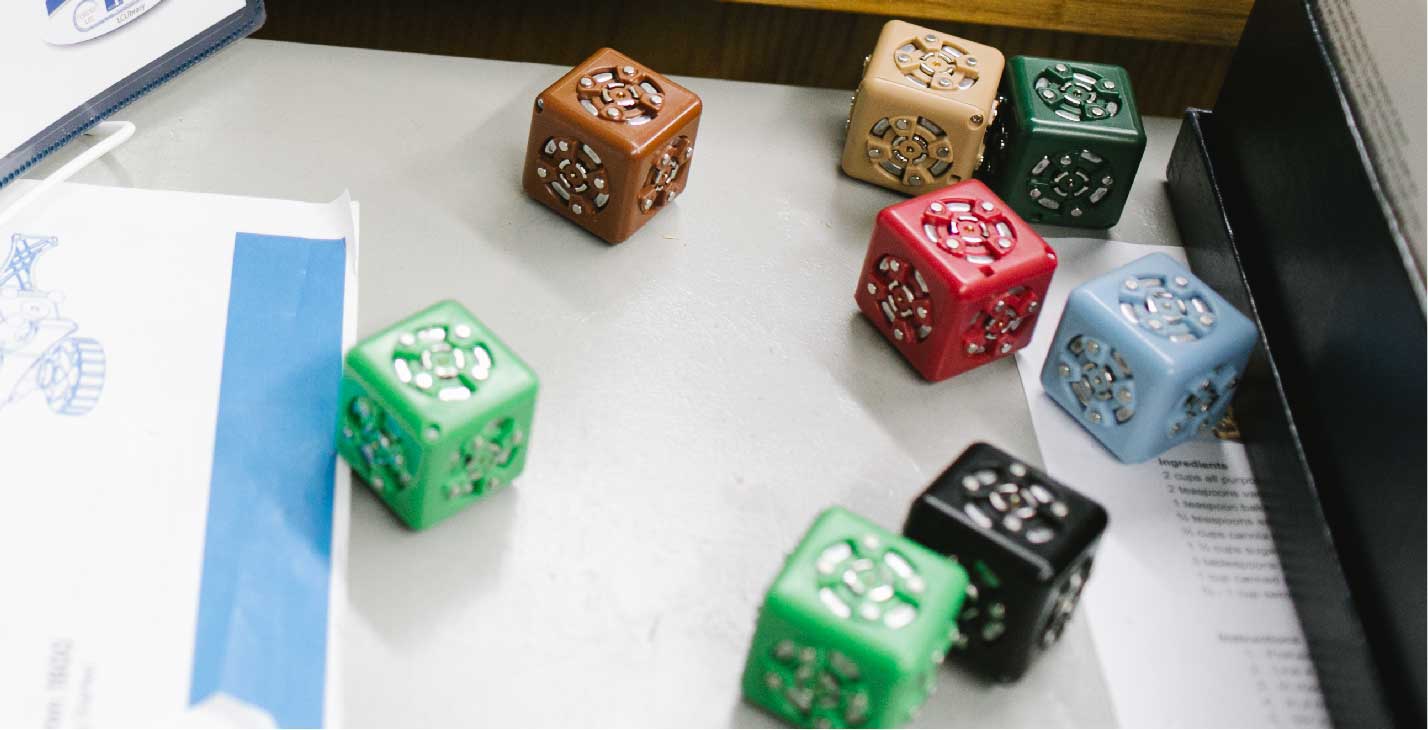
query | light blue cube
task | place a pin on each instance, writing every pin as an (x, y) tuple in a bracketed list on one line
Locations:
[(1147, 356)]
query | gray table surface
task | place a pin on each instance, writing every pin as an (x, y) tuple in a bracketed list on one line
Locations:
[(707, 387)]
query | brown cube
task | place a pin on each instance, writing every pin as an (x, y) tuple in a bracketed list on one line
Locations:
[(921, 110), (610, 144)]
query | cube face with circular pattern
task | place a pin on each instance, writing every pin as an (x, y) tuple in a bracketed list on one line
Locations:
[(1066, 143), (611, 143), (1146, 357), (435, 413), (1027, 543), (921, 110), (854, 627), (954, 279)]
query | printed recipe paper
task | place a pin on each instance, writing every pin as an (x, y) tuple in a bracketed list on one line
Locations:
[(1187, 603)]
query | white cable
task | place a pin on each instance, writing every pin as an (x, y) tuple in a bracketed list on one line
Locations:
[(115, 134)]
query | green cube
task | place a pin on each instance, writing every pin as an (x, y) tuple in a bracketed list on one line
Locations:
[(435, 413), (853, 629), (1066, 143)]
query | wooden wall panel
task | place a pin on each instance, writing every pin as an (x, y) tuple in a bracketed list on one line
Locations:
[(709, 38)]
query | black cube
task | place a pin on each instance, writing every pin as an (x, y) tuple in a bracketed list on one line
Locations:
[(1027, 542)]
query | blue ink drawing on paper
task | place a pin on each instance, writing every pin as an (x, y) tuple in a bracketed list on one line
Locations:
[(39, 352)]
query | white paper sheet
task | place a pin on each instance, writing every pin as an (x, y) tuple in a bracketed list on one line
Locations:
[(106, 505), (1187, 605)]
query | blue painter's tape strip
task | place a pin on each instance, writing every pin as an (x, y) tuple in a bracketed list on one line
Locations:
[(263, 600)]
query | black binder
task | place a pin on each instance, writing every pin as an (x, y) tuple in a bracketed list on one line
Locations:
[(1281, 209), (134, 83)]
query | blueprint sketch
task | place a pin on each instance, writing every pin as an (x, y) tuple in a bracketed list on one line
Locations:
[(40, 352)]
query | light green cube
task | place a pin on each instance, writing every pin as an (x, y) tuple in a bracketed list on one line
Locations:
[(435, 413), (853, 630)]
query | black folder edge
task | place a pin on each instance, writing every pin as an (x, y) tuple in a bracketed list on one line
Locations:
[(1296, 519), (238, 25), (1331, 410)]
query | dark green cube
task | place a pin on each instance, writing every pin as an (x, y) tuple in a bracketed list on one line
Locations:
[(1066, 143)]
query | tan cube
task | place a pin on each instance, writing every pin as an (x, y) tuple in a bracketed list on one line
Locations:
[(922, 109), (610, 144)]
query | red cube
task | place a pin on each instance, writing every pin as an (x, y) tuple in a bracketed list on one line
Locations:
[(954, 279)]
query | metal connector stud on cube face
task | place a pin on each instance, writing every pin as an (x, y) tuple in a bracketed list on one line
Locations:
[(611, 144), (1146, 357), (1078, 92), (1027, 543), (1100, 379), (954, 279), (435, 413), (921, 110), (1067, 141), (852, 630)]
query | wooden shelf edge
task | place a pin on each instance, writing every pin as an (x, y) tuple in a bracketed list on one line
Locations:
[(1204, 22)]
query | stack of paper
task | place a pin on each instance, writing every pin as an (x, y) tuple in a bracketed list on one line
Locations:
[(176, 521)]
